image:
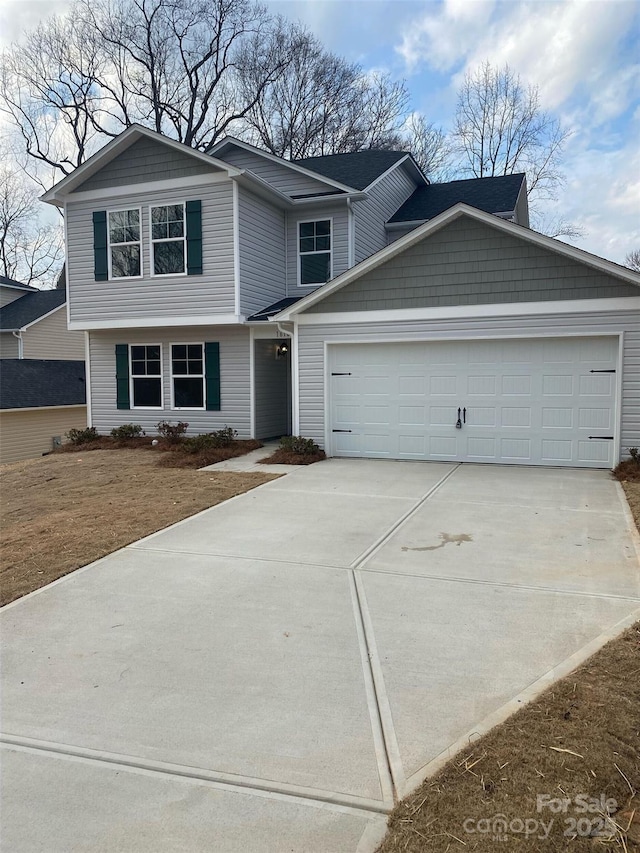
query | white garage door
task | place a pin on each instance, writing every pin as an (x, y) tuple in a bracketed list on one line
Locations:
[(533, 402)]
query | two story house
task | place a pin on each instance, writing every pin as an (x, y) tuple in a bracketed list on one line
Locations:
[(347, 299)]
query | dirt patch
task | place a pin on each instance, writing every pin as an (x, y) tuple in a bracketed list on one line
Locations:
[(287, 457), (580, 738), (177, 458), (65, 510)]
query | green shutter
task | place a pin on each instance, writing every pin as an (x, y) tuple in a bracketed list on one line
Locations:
[(194, 237), (122, 375), (100, 266), (212, 375)]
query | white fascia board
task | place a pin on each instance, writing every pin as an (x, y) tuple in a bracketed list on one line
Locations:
[(411, 165), (111, 150), (320, 199), (106, 193), (158, 322), (465, 312), (440, 221), (44, 408), (231, 140), (252, 182)]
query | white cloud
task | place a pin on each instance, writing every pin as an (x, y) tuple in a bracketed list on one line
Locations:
[(16, 16)]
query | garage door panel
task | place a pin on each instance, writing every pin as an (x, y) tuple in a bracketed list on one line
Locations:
[(529, 402)]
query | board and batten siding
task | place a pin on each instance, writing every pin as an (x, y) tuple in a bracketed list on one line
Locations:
[(234, 379), (8, 345), (262, 253), (147, 297), (339, 240), (312, 340), (470, 263), (371, 214), (27, 433), (146, 160), (50, 338), (289, 181)]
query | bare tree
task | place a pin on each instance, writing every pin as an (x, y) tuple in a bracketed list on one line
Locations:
[(30, 251), (322, 104), (181, 67), (633, 260), (431, 148)]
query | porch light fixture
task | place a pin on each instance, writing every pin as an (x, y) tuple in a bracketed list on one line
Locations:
[(281, 351)]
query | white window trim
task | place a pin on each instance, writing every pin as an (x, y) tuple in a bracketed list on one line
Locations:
[(134, 243), (187, 376), (299, 253), (131, 378), (152, 242)]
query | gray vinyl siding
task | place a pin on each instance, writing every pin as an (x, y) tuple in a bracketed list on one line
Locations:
[(262, 253), (272, 384), (8, 345), (522, 209), (339, 238), (154, 297), (470, 263), (234, 379), (50, 338), (312, 339), (372, 213), (283, 178), (146, 160)]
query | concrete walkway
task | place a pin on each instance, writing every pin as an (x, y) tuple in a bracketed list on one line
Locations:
[(272, 673)]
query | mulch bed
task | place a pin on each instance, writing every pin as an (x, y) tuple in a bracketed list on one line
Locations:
[(286, 457)]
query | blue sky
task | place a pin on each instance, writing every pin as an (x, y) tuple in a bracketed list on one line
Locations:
[(583, 54)]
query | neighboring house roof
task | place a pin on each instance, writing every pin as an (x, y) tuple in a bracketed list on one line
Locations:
[(30, 308), (493, 195), (440, 221), (275, 308), (357, 169), (11, 282), (33, 383)]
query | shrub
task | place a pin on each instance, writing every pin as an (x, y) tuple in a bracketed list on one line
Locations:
[(173, 433), (209, 440), (82, 436), (634, 453), (122, 433), (298, 444)]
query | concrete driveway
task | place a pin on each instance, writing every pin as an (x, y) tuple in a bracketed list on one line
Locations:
[(270, 674)]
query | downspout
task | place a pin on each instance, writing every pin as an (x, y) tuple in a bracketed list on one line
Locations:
[(18, 335), (351, 249)]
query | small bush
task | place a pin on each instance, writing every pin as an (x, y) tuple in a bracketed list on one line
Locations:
[(126, 431), (210, 440), (634, 453), (173, 433), (83, 436), (298, 444)]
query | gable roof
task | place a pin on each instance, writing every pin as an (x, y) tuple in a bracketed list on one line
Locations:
[(30, 308), (493, 195), (433, 225), (273, 309), (110, 151), (30, 383), (359, 169), (10, 282)]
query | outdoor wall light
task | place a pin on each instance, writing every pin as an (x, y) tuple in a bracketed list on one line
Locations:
[(281, 351)]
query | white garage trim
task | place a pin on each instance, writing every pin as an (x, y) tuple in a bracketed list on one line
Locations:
[(416, 338)]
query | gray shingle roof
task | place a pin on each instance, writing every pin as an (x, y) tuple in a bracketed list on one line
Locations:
[(27, 383), (31, 306), (274, 308), (357, 169), (13, 283), (493, 195)]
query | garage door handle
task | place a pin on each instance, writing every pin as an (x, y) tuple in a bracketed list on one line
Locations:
[(602, 437), (464, 415), (340, 430), (458, 422), (341, 374), (602, 371)]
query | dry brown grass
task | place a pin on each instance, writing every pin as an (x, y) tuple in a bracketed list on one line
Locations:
[(63, 511)]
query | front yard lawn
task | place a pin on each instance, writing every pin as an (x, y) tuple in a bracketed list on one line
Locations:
[(63, 511)]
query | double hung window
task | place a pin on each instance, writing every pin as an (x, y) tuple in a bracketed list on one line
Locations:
[(168, 240), (146, 376), (187, 376), (314, 247), (125, 245)]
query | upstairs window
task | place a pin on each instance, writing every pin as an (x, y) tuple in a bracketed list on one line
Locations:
[(168, 240), (314, 247), (146, 376), (124, 244), (187, 375)]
